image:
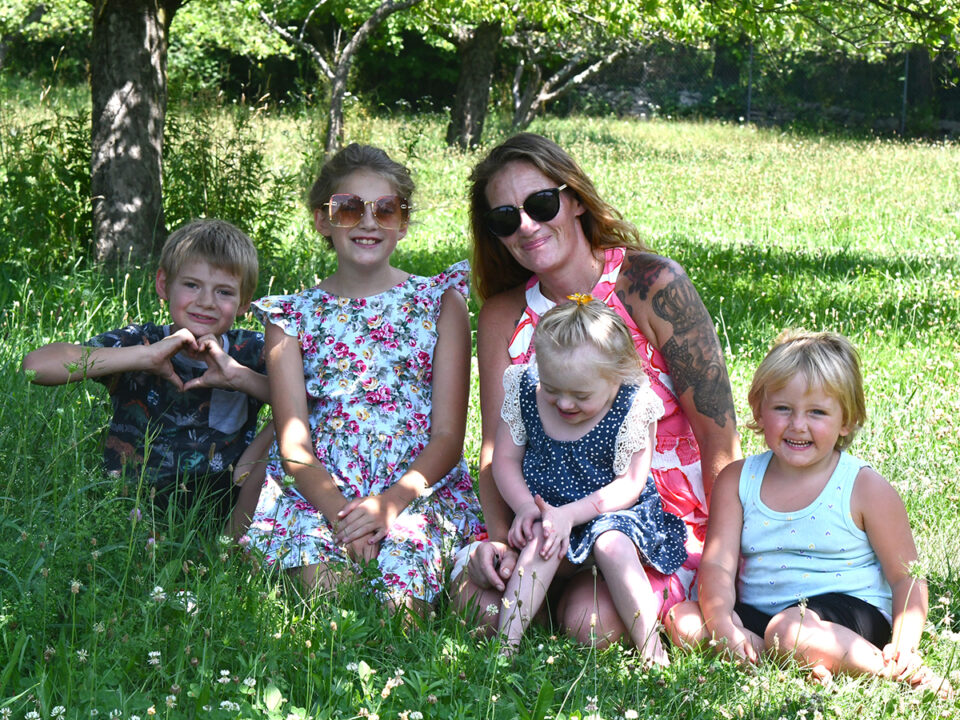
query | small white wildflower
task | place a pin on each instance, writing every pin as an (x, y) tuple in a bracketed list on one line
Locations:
[(591, 704), (416, 715), (134, 717), (82, 655), (32, 715), (158, 594), (115, 713), (224, 677), (5, 713), (153, 657), (171, 701), (630, 715), (352, 667), (506, 603), (99, 628), (491, 609), (75, 586), (58, 711), (228, 705), (250, 682)]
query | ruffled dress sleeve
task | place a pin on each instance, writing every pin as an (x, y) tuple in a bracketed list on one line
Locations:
[(457, 276), (635, 430), (285, 311), (510, 412)]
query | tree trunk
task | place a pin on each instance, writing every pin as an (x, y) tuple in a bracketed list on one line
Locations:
[(128, 88), (477, 57)]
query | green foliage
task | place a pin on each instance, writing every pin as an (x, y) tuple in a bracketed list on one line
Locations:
[(45, 221), (222, 170), (775, 228)]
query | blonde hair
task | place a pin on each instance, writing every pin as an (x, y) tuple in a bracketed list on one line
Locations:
[(566, 327), (217, 242), (494, 268), (824, 359)]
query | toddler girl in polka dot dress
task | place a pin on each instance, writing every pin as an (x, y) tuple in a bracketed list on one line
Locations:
[(572, 458)]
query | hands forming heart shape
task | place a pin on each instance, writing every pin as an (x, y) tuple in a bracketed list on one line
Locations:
[(206, 349)]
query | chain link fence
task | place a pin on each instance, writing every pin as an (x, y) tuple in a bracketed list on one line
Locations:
[(909, 93)]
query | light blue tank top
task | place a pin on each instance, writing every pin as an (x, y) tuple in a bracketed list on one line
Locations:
[(788, 556)]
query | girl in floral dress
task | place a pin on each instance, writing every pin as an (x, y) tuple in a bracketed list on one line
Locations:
[(371, 372)]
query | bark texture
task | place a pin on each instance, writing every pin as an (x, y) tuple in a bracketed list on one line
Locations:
[(478, 54), (128, 87)]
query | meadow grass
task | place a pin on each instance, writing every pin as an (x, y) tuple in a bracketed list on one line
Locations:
[(108, 608)]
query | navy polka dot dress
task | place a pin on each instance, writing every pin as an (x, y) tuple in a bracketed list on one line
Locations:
[(562, 471)]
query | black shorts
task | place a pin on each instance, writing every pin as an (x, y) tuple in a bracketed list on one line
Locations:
[(853, 613)]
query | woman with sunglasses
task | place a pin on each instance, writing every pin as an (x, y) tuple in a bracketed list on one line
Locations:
[(542, 233), (371, 372)]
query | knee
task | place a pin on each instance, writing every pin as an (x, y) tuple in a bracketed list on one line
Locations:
[(612, 546), (783, 630), (588, 615), (684, 623)]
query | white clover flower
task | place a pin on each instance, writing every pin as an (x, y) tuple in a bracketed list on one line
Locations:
[(352, 667), (630, 715), (134, 717), (171, 701), (75, 586), (153, 657), (416, 715), (5, 713), (32, 715), (115, 713), (491, 609), (228, 705), (250, 682), (158, 594), (82, 655), (58, 711), (224, 677)]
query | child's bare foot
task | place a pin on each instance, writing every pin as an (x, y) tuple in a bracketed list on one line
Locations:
[(820, 675), (927, 679)]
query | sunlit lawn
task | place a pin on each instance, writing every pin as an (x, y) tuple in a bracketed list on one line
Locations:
[(102, 611)]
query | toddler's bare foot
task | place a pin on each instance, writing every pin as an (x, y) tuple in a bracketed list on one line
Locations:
[(820, 675), (927, 679)]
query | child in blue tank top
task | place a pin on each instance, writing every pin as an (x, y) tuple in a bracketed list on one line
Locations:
[(808, 549)]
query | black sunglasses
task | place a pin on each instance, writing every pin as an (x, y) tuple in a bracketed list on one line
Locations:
[(541, 206)]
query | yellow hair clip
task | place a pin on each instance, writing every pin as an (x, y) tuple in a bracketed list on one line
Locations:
[(581, 298)]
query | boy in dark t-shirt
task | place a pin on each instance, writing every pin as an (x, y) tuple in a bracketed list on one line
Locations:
[(185, 396)]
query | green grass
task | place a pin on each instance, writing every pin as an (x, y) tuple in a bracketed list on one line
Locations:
[(776, 229)]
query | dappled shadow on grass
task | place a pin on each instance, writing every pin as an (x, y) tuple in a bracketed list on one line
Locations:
[(751, 289)]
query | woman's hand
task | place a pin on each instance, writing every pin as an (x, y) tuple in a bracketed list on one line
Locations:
[(557, 524), (521, 531), (370, 516), (491, 564), (741, 646)]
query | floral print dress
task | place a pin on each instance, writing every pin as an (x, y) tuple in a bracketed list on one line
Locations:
[(368, 371)]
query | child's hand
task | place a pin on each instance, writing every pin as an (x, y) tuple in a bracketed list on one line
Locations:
[(900, 664), (557, 525), (736, 642), (363, 550), (521, 531), (161, 355), (370, 517), (220, 366)]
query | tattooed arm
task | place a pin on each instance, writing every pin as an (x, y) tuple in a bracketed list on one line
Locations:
[(668, 310)]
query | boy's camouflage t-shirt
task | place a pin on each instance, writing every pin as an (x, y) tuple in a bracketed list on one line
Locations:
[(183, 434)]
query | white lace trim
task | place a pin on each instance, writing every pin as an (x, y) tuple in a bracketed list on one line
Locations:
[(510, 412), (635, 430)]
